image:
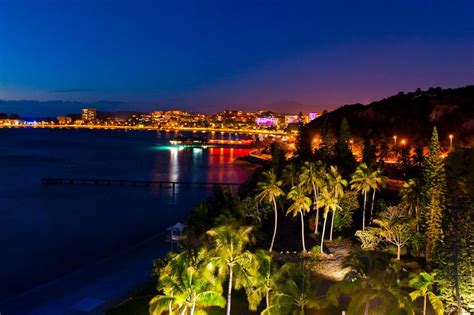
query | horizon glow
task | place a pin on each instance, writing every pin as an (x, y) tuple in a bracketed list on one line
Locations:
[(209, 56)]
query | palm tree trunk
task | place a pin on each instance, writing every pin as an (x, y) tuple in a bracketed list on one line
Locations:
[(302, 231), (424, 304), (332, 224), (275, 227), (170, 311), (332, 220), (366, 311), (193, 308), (229, 292), (324, 230), (363, 213), (267, 297), (372, 206), (398, 252), (316, 221)]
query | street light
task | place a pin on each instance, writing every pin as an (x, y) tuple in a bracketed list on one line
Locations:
[(395, 140), (450, 141), (403, 143), (351, 142)]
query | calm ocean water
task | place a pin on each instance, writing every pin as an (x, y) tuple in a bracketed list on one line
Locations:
[(48, 231)]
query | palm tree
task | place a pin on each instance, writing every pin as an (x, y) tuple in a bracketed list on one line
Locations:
[(301, 204), (371, 279), (411, 198), (336, 184), (423, 285), (296, 291), (187, 286), (329, 202), (312, 175), (270, 190), (289, 175), (362, 183), (377, 180), (230, 257), (264, 283)]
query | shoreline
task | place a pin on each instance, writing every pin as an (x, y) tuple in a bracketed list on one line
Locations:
[(108, 279), (148, 128)]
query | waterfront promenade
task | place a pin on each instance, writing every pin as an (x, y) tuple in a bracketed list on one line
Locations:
[(140, 127)]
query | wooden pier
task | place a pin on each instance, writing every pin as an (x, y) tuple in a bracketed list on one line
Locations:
[(130, 182)]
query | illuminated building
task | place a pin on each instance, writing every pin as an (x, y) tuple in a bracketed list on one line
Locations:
[(292, 119), (312, 116), (88, 115), (64, 120), (266, 121)]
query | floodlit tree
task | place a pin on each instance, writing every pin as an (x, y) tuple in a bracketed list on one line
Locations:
[(312, 176), (301, 204), (264, 282), (434, 197), (370, 280), (296, 291), (329, 202), (369, 238), (336, 184), (423, 285), (395, 228), (411, 198), (270, 190), (377, 180), (362, 183), (230, 258), (187, 286)]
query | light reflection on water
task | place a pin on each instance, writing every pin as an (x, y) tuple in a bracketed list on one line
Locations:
[(60, 228)]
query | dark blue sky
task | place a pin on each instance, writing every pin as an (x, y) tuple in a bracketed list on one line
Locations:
[(211, 55)]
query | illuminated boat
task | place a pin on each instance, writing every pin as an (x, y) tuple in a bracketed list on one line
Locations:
[(189, 142)]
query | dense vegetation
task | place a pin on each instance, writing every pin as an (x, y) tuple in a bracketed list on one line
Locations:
[(406, 250), (411, 115)]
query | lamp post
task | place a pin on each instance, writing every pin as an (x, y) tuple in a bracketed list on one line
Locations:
[(351, 142), (395, 140), (451, 142), (403, 143)]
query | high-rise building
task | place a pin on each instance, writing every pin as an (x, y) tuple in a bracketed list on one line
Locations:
[(88, 115)]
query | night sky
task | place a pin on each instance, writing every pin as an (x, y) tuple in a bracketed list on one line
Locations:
[(211, 55)]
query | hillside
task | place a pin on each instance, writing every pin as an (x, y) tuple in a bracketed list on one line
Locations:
[(409, 115)]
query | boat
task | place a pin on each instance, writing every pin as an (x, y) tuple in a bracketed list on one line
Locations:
[(189, 142)]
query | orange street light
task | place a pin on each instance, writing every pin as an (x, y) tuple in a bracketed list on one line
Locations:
[(395, 140), (450, 141)]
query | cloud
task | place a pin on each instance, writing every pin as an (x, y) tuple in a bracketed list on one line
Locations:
[(73, 90)]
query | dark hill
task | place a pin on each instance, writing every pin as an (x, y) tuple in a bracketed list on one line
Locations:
[(410, 115)]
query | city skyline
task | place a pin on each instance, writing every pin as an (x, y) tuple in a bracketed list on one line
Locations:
[(208, 56)]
